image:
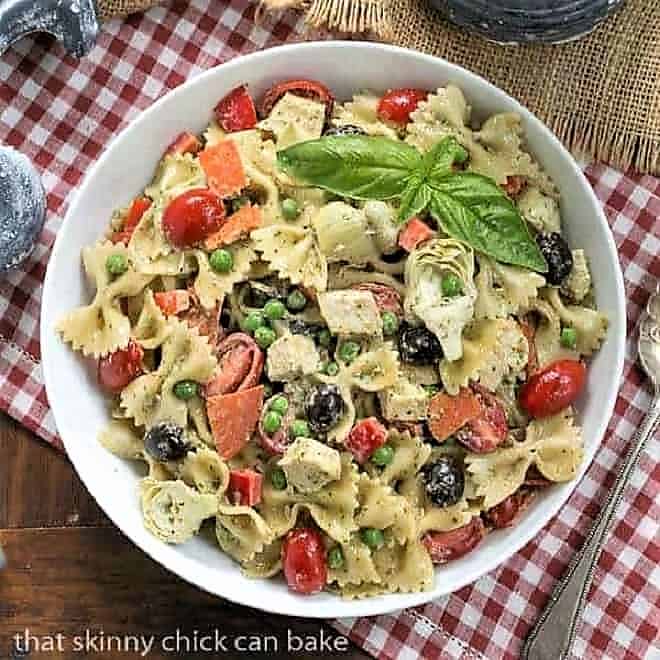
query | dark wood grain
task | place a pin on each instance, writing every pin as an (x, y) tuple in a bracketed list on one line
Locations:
[(69, 570)]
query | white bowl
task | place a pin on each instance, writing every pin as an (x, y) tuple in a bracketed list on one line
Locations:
[(127, 166)]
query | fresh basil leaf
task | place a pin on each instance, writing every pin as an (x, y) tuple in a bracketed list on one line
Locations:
[(488, 222), (439, 160), (415, 198), (355, 166)]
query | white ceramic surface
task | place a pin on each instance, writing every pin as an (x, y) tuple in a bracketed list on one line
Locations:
[(126, 167)]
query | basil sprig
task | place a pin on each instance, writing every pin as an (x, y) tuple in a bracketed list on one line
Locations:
[(467, 206)]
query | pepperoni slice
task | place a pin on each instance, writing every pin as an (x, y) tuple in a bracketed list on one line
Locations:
[(485, 432), (446, 546), (278, 442), (309, 89), (447, 414), (233, 419), (507, 512), (237, 226), (240, 363)]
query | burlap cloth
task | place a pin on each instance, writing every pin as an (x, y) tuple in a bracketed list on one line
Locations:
[(600, 94)]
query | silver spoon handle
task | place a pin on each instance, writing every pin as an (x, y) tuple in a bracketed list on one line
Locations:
[(554, 632)]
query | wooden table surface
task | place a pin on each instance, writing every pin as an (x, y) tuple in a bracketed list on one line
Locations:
[(70, 571)]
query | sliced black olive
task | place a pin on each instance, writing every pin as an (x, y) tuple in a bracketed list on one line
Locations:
[(165, 442), (346, 129), (419, 346), (444, 481), (558, 256), (324, 406)]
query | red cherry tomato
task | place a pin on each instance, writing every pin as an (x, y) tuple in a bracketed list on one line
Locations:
[(189, 218), (236, 111), (397, 104), (514, 185), (304, 561), (365, 437), (553, 388), (445, 546), (310, 89), (118, 369)]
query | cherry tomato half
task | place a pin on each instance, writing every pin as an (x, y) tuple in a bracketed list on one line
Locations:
[(397, 104), (309, 89), (553, 388), (118, 369), (236, 111), (189, 218), (304, 561)]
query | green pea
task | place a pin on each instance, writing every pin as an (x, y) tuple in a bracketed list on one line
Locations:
[(325, 338), (372, 537), (331, 368), (239, 203), (390, 323), (290, 209), (279, 405), (299, 429), (272, 422), (383, 456), (431, 390), (568, 337), (296, 300), (185, 389), (274, 310), (278, 479), (116, 264), (451, 285), (221, 260), (348, 351), (253, 321), (335, 557), (264, 336)]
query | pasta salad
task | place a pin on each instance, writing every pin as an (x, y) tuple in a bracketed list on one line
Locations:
[(349, 334)]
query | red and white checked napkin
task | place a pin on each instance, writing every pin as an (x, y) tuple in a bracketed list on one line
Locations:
[(61, 113)]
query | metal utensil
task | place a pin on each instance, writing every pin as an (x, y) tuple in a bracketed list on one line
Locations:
[(73, 22), (553, 634), (22, 207)]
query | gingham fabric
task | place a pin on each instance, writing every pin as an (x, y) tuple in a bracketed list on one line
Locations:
[(61, 113)]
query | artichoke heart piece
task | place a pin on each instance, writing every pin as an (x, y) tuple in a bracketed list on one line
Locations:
[(444, 316)]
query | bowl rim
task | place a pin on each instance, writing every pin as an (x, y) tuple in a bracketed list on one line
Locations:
[(390, 602)]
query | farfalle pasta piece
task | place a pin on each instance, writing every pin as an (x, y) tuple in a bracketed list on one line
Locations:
[(374, 370), (493, 349), (358, 565), (504, 290), (292, 252), (345, 276), (382, 508), (241, 532), (199, 421), (590, 325), (332, 508), (173, 511), (264, 564), (401, 569), (445, 113), (548, 333), (362, 111), (410, 453), (444, 316), (210, 286), (150, 399), (176, 173), (205, 471), (294, 119), (101, 327), (122, 439), (151, 328), (552, 444)]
